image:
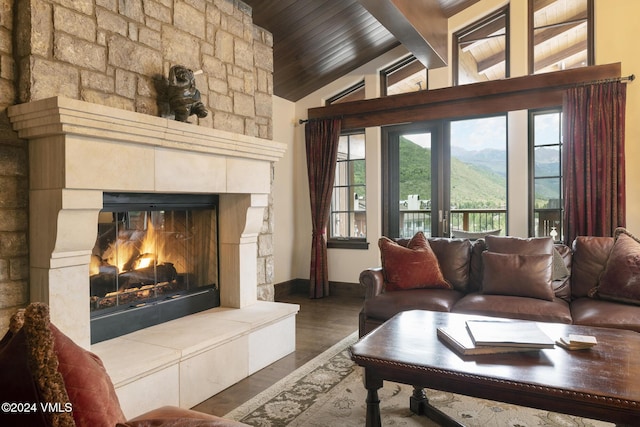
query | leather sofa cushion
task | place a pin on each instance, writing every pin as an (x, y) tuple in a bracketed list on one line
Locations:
[(411, 267), (476, 267), (514, 307), (387, 305), (590, 255), (518, 275), (607, 314), (519, 245), (620, 280), (562, 286)]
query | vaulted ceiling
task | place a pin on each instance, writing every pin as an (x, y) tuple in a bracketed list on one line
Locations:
[(318, 41)]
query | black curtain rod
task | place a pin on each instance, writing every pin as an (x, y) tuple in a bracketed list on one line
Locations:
[(629, 78), (301, 121)]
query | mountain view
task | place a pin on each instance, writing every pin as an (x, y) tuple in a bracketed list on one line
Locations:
[(478, 178)]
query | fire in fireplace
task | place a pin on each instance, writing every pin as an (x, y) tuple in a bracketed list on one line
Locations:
[(155, 259)]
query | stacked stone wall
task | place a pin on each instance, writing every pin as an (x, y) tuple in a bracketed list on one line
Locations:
[(14, 184), (118, 53)]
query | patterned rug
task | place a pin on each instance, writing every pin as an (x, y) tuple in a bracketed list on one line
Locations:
[(328, 391)]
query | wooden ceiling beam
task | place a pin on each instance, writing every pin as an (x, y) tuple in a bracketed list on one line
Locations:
[(518, 93), (420, 25)]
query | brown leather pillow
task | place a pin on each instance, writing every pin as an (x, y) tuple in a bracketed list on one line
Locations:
[(518, 275), (415, 266), (519, 245), (620, 280), (454, 257)]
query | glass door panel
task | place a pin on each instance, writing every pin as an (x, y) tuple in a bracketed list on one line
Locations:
[(478, 177), (414, 184)]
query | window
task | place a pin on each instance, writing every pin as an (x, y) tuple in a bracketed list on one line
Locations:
[(406, 75), (347, 221), (561, 34), (354, 93), (480, 51), (546, 170), (445, 177)]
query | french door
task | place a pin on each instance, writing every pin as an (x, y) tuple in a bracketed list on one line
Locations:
[(415, 183), (445, 178)]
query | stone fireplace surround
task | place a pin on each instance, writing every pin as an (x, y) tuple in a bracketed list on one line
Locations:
[(77, 151)]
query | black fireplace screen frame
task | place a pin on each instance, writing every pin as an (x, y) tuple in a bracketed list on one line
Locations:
[(110, 322)]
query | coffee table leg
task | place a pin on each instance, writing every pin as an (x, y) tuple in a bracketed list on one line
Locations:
[(372, 384), (418, 402), (419, 405)]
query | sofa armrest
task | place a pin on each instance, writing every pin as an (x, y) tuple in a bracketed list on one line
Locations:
[(373, 281)]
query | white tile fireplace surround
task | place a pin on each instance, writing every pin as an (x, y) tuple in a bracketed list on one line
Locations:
[(79, 150)]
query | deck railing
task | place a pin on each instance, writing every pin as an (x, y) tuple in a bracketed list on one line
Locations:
[(467, 220)]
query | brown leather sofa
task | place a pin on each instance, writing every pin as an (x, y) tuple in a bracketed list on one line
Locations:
[(463, 266)]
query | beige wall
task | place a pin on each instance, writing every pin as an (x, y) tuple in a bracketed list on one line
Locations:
[(615, 25), (284, 181)]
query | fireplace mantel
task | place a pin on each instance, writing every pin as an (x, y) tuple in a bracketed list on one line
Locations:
[(78, 150)]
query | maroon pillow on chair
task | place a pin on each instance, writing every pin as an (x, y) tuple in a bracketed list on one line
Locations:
[(415, 266), (88, 385), (64, 373), (620, 280)]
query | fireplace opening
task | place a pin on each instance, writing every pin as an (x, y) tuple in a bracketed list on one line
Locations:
[(155, 259)]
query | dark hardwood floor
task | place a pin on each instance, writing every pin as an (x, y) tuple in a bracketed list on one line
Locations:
[(320, 324)]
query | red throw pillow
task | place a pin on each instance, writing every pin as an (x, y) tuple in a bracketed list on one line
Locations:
[(620, 280), (88, 385), (415, 266)]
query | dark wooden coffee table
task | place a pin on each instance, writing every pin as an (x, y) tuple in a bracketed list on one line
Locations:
[(600, 383)]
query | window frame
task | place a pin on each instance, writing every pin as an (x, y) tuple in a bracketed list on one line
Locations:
[(352, 93), (590, 36), (403, 64), (532, 176), (473, 27), (348, 242)]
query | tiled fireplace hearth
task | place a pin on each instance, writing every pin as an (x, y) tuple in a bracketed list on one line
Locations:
[(77, 152)]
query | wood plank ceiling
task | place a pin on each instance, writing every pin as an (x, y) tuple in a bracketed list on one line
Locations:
[(318, 41)]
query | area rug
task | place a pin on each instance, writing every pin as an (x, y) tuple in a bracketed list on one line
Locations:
[(328, 391)]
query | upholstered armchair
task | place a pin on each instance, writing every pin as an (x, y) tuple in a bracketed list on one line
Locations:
[(48, 380)]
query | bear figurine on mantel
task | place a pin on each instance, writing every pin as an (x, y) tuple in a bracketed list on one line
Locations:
[(184, 98)]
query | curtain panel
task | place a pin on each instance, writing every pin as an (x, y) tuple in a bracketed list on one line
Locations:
[(594, 161), (321, 138)]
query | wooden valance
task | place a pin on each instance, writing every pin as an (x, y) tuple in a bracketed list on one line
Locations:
[(518, 93)]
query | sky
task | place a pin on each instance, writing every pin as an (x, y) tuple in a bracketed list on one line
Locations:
[(472, 134)]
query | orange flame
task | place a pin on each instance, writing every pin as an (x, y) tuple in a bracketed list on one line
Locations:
[(133, 249)]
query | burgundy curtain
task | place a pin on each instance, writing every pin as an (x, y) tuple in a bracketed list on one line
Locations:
[(593, 166), (322, 152)]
